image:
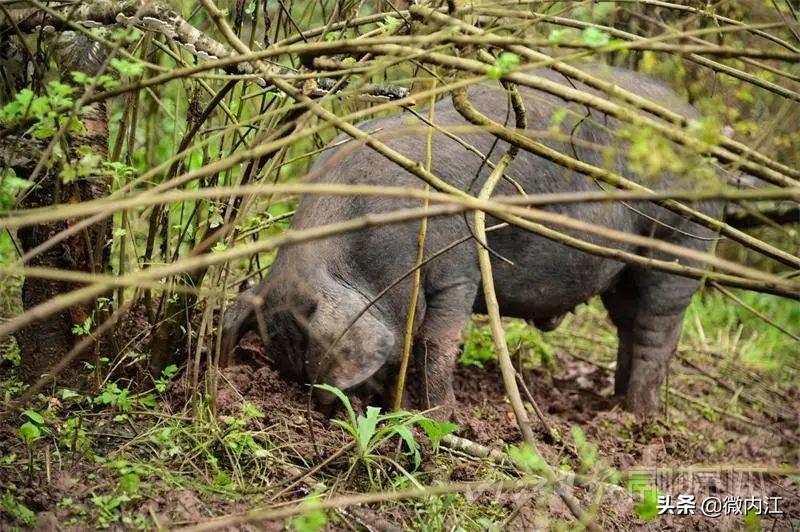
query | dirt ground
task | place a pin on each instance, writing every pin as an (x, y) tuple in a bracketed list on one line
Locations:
[(703, 446)]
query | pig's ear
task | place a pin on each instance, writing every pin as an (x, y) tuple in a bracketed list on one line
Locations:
[(360, 352)]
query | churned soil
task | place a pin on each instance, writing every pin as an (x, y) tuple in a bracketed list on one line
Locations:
[(736, 449)]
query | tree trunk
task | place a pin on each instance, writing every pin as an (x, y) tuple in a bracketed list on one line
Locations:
[(44, 342)]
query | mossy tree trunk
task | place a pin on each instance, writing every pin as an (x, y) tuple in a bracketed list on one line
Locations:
[(44, 342)]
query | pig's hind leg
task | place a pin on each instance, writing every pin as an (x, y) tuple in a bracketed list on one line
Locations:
[(647, 307), (436, 346)]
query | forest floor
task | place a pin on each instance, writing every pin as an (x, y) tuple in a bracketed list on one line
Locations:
[(131, 460)]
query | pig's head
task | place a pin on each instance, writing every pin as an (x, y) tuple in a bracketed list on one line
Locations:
[(311, 332)]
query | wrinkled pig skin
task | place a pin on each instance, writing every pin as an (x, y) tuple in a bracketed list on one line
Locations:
[(315, 289)]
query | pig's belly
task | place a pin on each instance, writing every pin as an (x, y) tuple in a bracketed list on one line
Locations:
[(548, 285)]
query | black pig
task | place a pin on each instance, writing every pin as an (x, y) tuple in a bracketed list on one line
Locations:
[(313, 290)]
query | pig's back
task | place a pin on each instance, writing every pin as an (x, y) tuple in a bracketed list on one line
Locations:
[(544, 273)]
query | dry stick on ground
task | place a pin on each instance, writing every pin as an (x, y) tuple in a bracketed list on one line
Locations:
[(722, 411), (306, 506), (476, 450), (548, 429)]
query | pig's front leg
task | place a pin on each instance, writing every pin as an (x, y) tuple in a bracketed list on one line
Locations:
[(436, 348)]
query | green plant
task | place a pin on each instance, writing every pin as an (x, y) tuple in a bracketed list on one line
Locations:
[(163, 381), (529, 459), (479, 346), (313, 519), (505, 63), (30, 432), (240, 440), (118, 398), (109, 508), (74, 437), (647, 506), (10, 186), (587, 451), (372, 430), (20, 513), (83, 329)]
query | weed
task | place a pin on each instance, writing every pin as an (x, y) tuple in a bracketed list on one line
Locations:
[(21, 514), (311, 520), (737, 330), (163, 381), (520, 337), (373, 430), (115, 397)]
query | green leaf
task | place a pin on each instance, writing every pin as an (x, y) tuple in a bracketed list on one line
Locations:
[(558, 116), (310, 521), (507, 61), (504, 63), (34, 416), (342, 397), (12, 183), (647, 508), (346, 426), (527, 457), (81, 77), (249, 410), (436, 430), (18, 511), (67, 395), (56, 89), (557, 36), (594, 37), (18, 107), (127, 68), (29, 433), (751, 521), (129, 483), (169, 371), (366, 426), (408, 438), (251, 7)]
